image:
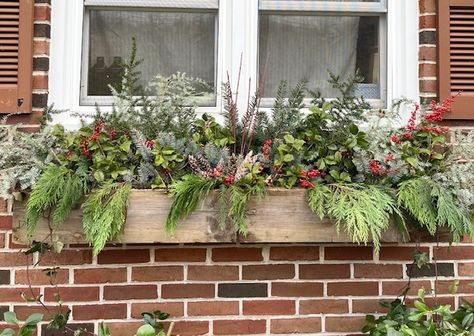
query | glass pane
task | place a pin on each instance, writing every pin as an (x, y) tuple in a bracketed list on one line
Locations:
[(303, 46), (331, 0), (168, 42)]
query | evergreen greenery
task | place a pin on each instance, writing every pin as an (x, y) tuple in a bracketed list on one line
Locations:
[(187, 192), (240, 195), (56, 191), (104, 214), (362, 210)]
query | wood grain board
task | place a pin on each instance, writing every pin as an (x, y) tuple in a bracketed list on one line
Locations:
[(283, 216)]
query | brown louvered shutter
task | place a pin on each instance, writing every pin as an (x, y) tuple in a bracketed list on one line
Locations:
[(456, 55), (16, 55)]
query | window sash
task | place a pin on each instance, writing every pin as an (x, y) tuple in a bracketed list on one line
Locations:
[(323, 6), (89, 100), (203, 4)]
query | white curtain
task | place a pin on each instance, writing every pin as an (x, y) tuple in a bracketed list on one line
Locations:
[(307, 47), (168, 42)]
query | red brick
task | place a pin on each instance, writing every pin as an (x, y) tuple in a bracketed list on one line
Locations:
[(269, 307), (428, 85), (239, 327), (128, 292), (344, 323), (124, 328), (297, 289), (100, 311), (427, 70), (463, 287), (13, 294), (2, 240), (191, 328), (427, 21), (401, 253), (213, 273), (378, 271), (100, 275), (466, 269), (324, 271), (22, 312), (41, 47), (427, 54), (237, 254), (39, 277), (296, 325), (40, 82), (325, 306), (213, 308), (368, 306), (172, 291), (453, 252), (268, 272), (42, 13), (358, 288), (294, 253), (72, 293), (397, 287), (348, 253), (180, 254), (67, 257), (13, 244), (175, 309), (431, 301), (157, 273), (427, 6), (6, 222), (3, 205), (10, 259), (123, 256)]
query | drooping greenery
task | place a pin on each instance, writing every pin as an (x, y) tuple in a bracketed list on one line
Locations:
[(104, 213), (363, 211)]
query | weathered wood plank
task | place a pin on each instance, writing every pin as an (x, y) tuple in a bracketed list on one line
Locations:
[(282, 216)]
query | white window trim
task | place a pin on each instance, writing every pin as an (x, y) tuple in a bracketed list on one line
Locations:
[(238, 39)]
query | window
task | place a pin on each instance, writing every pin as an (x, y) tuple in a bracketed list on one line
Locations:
[(168, 40), (209, 38), (311, 39)]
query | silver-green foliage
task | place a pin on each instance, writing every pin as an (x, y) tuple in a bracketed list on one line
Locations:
[(56, 191), (22, 157), (363, 211), (105, 213)]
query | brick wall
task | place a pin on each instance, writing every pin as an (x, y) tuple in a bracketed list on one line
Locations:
[(224, 290)]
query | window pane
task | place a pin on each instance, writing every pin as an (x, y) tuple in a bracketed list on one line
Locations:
[(303, 46), (168, 42)]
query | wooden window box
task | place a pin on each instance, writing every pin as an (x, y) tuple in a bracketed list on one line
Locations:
[(283, 216)]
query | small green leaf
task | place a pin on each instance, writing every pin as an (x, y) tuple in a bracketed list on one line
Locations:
[(289, 138), (10, 317), (288, 157), (146, 330), (8, 332), (34, 319), (412, 161)]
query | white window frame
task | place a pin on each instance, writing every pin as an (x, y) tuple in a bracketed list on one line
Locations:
[(237, 40)]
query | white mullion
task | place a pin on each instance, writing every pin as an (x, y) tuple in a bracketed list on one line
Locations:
[(213, 4)]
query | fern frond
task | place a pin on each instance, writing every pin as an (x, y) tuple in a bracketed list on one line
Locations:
[(451, 215), (317, 199), (415, 196), (74, 189), (239, 198), (363, 210), (188, 192), (46, 193), (105, 213)]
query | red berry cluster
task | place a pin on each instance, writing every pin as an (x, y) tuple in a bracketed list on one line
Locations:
[(396, 139), (84, 146), (112, 133), (216, 172), (229, 179), (389, 158), (437, 110), (306, 176), (267, 145), (97, 130), (375, 167), (412, 121), (68, 155)]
